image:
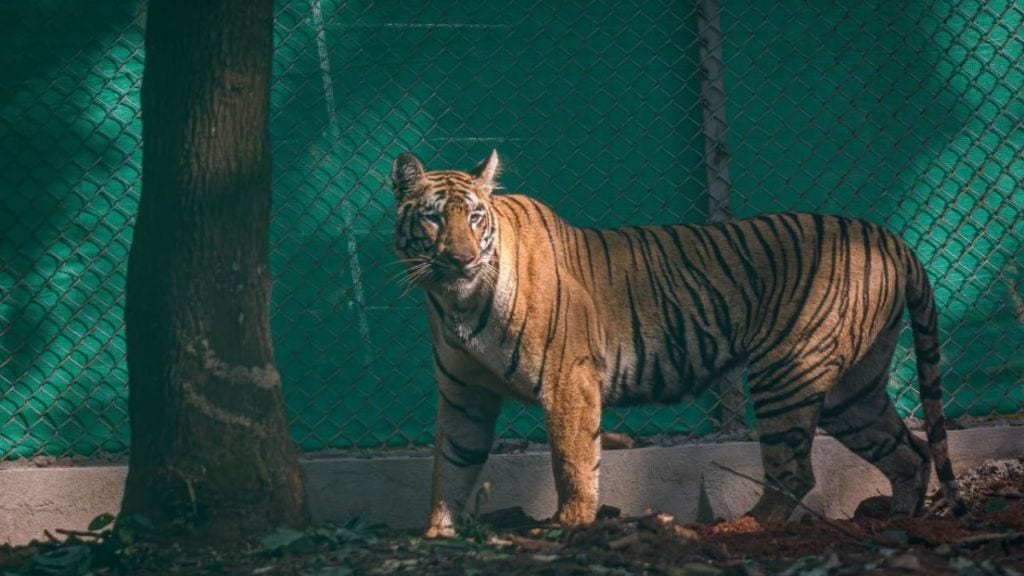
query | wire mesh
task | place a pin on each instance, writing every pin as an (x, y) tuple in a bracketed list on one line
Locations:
[(907, 114)]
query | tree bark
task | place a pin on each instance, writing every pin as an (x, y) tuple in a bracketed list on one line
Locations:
[(210, 448)]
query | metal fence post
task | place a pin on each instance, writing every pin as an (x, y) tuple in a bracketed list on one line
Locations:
[(732, 401), (348, 219)]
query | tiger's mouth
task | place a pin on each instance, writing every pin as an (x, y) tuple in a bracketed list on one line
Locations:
[(438, 272), (450, 273)]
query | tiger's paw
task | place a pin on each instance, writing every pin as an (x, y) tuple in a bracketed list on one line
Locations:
[(439, 532), (575, 515)]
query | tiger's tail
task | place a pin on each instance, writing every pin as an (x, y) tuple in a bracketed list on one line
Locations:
[(924, 322)]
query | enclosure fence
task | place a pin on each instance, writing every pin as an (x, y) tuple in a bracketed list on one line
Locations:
[(908, 114)]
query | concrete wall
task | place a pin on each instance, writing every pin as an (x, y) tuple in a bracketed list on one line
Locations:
[(394, 490)]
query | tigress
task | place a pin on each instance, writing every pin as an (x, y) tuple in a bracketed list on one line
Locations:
[(523, 305)]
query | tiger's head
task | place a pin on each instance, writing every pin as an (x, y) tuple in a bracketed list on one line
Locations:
[(446, 231)]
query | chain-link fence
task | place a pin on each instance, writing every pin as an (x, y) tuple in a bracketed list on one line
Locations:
[(628, 112)]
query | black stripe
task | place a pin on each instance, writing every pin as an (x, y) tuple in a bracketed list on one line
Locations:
[(645, 252), (658, 379), (484, 317), (629, 247), (639, 346), (613, 390), (445, 372), (742, 250), (513, 364), (462, 410), (707, 289), (811, 400), (797, 438), (465, 457), (607, 252), (767, 346), (835, 410)]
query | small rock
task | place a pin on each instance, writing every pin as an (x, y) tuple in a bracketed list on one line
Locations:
[(962, 564), (394, 564), (809, 566), (655, 522), (907, 561), (876, 507), (685, 533)]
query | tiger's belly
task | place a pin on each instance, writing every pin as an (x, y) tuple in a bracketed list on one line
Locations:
[(660, 371)]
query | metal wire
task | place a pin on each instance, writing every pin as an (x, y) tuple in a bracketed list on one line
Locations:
[(624, 112)]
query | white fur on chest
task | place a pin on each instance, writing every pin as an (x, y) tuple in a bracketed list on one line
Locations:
[(493, 346)]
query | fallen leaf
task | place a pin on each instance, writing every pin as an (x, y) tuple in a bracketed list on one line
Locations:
[(616, 441), (102, 521), (279, 539)]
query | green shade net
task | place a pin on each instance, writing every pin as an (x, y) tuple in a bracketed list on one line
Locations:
[(907, 114)]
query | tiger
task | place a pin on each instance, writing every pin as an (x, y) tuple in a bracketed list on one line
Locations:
[(524, 306)]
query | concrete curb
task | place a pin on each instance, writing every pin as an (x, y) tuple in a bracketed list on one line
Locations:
[(395, 490)]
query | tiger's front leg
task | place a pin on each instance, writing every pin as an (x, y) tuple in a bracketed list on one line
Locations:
[(466, 416), (572, 408)]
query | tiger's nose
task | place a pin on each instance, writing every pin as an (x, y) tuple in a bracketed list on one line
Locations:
[(461, 260)]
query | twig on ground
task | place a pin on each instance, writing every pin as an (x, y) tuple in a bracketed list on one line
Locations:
[(986, 538), (531, 544), (79, 533)]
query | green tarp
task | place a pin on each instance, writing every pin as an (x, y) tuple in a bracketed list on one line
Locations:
[(908, 114)]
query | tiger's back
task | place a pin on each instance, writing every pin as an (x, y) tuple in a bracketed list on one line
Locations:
[(677, 306), (524, 305)]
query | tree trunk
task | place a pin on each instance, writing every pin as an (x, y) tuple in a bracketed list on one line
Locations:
[(210, 448)]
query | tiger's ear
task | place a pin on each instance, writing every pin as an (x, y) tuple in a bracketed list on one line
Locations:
[(406, 175), (486, 173)]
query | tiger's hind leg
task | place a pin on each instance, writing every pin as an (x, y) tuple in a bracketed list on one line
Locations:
[(787, 401), (859, 413)]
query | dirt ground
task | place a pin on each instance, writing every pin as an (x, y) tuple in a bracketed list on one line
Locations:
[(509, 542)]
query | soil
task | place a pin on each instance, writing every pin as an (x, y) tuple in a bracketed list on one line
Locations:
[(510, 542)]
